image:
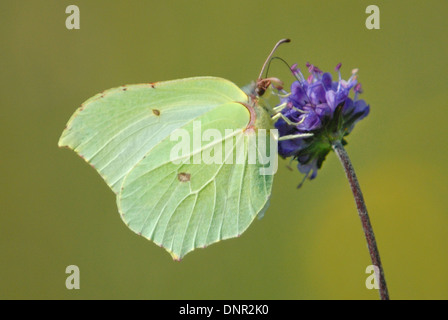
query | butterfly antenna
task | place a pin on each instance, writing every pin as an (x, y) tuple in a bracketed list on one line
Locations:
[(263, 84), (270, 61), (270, 55)]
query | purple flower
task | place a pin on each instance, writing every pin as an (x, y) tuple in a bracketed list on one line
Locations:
[(320, 106)]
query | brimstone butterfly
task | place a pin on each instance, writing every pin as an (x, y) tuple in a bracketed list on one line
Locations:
[(126, 134)]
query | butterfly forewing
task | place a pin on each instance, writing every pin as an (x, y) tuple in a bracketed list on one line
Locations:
[(115, 129)]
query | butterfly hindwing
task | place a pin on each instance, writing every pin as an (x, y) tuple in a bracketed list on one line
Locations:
[(185, 205)]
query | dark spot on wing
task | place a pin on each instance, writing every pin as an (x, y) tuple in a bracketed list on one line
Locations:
[(184, 177), (156, 112)]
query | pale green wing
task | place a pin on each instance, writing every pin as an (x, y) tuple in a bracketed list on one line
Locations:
[(181, 205), (115, 129)]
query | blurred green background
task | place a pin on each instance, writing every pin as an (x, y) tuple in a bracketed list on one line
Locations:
[(57, 211)]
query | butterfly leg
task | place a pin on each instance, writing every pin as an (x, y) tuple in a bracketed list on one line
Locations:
[(279, 115), (282, 95), (280, 107), (289, 122), (295, 136)]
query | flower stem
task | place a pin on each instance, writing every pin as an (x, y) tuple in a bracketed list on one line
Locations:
[(363, 215)]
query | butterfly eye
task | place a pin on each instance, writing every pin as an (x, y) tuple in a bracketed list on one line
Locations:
[(262, 86)]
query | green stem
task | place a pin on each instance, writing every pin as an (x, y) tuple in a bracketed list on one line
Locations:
[(363, 215)]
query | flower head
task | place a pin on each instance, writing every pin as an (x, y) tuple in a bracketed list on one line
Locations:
[(320, 106)]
